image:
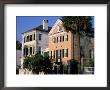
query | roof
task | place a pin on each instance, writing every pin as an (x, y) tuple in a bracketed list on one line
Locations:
[(39, 28), (57, 23)]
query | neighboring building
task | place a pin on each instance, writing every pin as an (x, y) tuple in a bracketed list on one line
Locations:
[(87, 54), (18, 60), (63, 47), (35, 40), (18, 57)]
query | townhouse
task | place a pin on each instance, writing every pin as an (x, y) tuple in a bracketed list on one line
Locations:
[(63, 48), (35, 40)]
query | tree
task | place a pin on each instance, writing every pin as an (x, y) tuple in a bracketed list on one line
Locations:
[(27, 63), (47, 64), (18, 45), (37, 63), (33, 63), (78, 24)]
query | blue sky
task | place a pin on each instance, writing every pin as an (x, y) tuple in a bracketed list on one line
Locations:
[(25, 23)]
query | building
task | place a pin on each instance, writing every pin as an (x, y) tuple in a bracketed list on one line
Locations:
[(35, 40), (18, 57), (18, 60), (63, 48), (87, 54), (60, 43)]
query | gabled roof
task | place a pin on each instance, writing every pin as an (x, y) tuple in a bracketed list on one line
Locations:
[(57, 23), (39, 28)]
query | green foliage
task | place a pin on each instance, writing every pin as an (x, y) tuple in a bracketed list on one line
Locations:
[(77, 23), (37, 63), (27, 63), (18, 45)]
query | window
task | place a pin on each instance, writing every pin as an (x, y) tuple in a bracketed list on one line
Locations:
[(57, 39), (26, 51), (62, 38), (40, 36), (66, 52), (30, 37), (54, 54), (30, 50), (59, 29), (66, 38), (33, 50), (34, 36), (27, 39), (62, 53), (58, 54)]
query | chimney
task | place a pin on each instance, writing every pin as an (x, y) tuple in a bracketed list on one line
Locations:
[(45, 24)]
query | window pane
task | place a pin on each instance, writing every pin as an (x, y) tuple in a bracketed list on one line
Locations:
[(62, 38), (33, 50), (30, 37), (66, 38), (26, 51), (40, 36), (62, 53), (27, 39), (66, 52), (34, 36), (56, 55), (30, 50), (57, 39)]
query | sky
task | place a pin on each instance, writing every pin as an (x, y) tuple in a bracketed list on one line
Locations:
[(25, 23)]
